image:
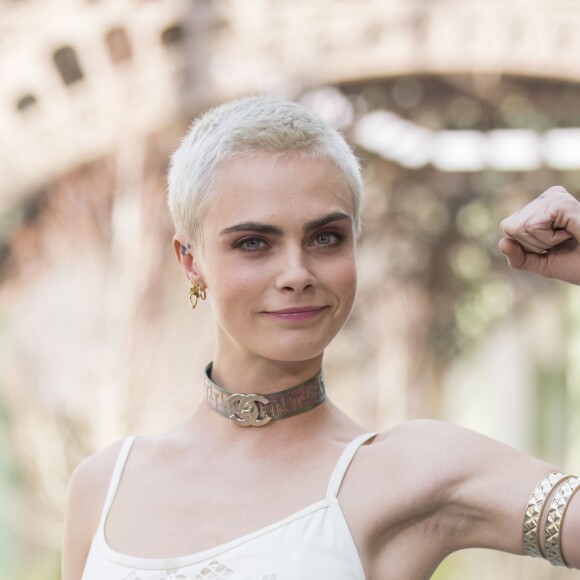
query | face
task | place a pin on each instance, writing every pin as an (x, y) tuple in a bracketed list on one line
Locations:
[(278, 256)]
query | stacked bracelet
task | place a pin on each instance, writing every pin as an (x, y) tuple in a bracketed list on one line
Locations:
[(556, 514), (534, 511), (563, 488)]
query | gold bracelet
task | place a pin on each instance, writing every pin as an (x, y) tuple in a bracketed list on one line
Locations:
[(534, 511), (555, 519)]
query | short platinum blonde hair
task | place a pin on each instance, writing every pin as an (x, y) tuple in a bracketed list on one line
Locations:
[(249, 125)]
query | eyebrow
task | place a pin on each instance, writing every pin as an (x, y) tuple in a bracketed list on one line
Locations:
[(331, 217), (273, 230)]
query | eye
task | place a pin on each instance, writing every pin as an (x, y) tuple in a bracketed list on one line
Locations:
[(250, 244), (328, 238)]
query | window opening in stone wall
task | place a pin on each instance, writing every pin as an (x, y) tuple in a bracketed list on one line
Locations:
[(68, 65), (26, 103), (118, 45), (173, 35)]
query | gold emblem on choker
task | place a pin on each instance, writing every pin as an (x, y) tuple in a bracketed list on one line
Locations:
[(244, 410)]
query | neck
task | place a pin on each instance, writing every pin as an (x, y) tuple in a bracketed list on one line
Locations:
[(260, 375)]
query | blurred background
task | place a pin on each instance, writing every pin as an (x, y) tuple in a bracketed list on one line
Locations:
[(460, 112)]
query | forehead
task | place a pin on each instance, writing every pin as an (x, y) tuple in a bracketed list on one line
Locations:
[(264, 186)]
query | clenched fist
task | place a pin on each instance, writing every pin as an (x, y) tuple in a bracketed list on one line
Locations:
[(543, 237)]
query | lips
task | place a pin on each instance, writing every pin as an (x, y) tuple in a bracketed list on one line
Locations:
[(297, 313), (295, 310)]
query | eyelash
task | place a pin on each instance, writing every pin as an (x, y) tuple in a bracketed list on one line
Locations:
[(241, 244), (338, 237)]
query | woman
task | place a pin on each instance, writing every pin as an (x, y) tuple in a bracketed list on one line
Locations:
[(268, 479)]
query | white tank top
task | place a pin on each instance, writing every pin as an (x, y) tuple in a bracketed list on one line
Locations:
[(311, 544)]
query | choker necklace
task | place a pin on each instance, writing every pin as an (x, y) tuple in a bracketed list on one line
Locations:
[(258, 410)]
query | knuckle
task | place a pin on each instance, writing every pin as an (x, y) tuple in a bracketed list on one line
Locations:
[(555, 190), (507, 226)]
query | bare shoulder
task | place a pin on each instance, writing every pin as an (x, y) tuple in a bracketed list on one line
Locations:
[(439, 444), (91, 477), (420, 430), (86, 493), (451, 456), (435, 443)]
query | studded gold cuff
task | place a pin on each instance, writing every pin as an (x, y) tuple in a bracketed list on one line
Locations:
[(556, 513), (534, 511)]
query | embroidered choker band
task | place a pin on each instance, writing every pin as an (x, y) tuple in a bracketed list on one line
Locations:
[(258, 410)]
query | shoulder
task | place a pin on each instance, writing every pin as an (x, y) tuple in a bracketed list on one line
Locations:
[(86, 492), (449, 455), (91, 477), (419, 429), (438, 442), (434, 442)]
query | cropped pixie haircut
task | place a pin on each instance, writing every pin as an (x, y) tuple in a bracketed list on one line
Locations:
[(249, 125)]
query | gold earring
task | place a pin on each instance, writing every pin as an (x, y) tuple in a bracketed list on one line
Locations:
[(195, 292)]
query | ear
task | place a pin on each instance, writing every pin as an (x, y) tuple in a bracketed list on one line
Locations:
[(184, 253)]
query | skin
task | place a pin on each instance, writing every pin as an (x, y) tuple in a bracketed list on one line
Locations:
[(542, 237), (465, 491)]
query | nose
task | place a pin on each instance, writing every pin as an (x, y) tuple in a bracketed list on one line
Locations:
[(295, 272)]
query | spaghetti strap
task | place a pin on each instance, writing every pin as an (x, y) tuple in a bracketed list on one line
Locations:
[(343, 464), (116, 477)]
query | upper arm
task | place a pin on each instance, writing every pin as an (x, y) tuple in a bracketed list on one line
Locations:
[(86, 493), (488, 486)]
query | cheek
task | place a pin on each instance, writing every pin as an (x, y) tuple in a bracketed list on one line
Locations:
[(222, 273), (232, 285), (342, 278)]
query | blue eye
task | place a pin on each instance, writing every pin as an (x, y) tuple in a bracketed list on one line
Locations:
[(250, 244), (329, 238)]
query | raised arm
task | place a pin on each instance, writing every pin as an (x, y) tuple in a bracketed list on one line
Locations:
[(493, 492), (485, 487), (543, 237), (433, 488)]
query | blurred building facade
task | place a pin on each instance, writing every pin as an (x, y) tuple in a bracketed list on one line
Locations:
[(72, 69), (459, 111)]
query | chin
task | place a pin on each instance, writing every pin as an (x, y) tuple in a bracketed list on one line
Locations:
[(292, 352), (296, 357)]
